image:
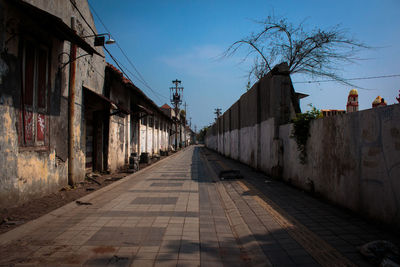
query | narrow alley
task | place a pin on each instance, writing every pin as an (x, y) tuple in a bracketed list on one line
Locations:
[(178, 212)]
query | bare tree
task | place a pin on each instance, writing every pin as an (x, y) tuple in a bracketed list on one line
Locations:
[(316, 52)]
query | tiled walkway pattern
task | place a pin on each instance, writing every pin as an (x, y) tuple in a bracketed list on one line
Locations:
[(179, 213)]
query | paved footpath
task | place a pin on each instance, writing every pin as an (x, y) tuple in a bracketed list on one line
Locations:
[(179, 213)]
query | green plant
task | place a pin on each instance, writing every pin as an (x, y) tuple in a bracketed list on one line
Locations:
[(301, 130)]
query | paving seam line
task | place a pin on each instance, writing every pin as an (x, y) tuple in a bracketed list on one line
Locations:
[(28, 227), (232, 211), (321, 251)]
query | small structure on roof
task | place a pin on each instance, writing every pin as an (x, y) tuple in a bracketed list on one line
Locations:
[(379, 102), (352, 101)]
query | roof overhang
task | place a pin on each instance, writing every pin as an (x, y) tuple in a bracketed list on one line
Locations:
[(53, 25), (301, 95), (141, 108), (97, 101)]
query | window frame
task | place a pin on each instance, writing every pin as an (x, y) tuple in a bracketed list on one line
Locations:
[(39, 109)]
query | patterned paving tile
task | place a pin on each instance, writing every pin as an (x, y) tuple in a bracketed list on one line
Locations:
[(167, 184), (155, 200), (150, 214)]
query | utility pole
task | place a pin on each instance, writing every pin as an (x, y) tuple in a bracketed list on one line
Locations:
[(217, 112), (176, 100), (184, 124), (185, 108)]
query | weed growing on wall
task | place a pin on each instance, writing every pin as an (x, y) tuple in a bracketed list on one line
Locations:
[(301, 130)]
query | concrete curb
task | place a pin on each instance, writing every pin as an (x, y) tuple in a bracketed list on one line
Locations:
[(30, 226)]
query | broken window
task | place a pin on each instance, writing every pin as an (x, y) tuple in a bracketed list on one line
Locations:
[(35, 77)]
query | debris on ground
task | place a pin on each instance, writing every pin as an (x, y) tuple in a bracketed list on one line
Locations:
[(67, 188), (92, 180), (116, 259), (230, 174), (93, 175), (10, 221), (113, 179), (83, 203), (37, 207), (381, 253)]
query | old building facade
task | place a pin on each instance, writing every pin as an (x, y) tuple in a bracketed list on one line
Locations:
[(65, 112), (43, 78)]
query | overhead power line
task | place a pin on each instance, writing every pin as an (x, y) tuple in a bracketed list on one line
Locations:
[(119, 66), (138, 76), (84, 19), (354, 79)]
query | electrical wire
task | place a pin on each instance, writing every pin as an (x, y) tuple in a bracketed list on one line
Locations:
[(139, 76), (84, 19), (94, 68), (119, 66), (113, 58), (354, 79)]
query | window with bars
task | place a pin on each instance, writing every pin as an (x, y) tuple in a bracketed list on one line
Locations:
[(35, 83)]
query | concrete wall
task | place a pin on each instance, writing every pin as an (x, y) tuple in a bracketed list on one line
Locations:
[(153, 140), (353, 159), (237, 133), (29, 172)]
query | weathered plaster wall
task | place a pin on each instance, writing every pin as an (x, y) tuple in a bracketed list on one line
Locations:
[(143, 138), (353, 159), (119, 127), (117, 143), (266, 143), (149, 148), (25, 174), (29, 173)]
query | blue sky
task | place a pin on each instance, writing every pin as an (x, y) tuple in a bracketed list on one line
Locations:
[(169, 39)]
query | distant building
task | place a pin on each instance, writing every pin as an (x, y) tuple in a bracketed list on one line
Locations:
[(332, 112), (379, 102), (352, 101)]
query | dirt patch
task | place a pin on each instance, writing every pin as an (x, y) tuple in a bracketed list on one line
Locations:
[(11, 218), (102, 250)]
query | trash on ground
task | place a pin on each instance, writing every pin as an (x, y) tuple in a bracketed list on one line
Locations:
[(381, 252), (83, 203), (230, 174), (112, 179), (93, 180)]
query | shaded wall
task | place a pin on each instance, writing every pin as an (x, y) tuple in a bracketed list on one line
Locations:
[(30, 172), (353, 159)]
